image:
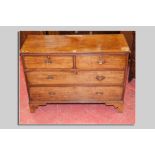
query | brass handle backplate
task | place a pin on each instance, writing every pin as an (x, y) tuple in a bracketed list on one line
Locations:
[(100, 78), (99, 93), (48, 60), (51, 93), (50, 77), (100, 61)]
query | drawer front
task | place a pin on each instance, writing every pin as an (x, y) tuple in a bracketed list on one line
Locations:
[(82, 77), (48, 62), (76, 93), (101, 62)]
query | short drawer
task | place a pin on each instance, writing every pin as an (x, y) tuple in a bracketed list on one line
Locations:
[(48, 62), (81, 77), (76, 93), (101, 62)]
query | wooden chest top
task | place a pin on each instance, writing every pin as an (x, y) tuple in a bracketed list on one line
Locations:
[(75, 44)]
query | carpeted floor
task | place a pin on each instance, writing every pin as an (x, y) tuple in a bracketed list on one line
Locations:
[(76, 113)]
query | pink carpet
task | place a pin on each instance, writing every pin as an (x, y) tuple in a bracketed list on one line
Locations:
[(76, 113)]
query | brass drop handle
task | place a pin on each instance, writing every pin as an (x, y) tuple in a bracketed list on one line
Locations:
[(99, 93), (48, 60), (100, 61), (51, 93), (100, 78), (50, 77)]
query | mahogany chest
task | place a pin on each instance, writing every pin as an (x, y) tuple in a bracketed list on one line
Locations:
[(75, 69)]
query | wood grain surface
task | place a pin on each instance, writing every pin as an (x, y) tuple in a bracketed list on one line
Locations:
[(76, 93), (80, 77), (75, 43), (101, 62), (48, 62)]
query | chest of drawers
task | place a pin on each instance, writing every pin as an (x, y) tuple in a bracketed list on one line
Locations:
[(75, 69)]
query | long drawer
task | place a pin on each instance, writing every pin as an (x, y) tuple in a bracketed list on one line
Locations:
[(48, 62), (101, 62), (82, 77), (76, 93)]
